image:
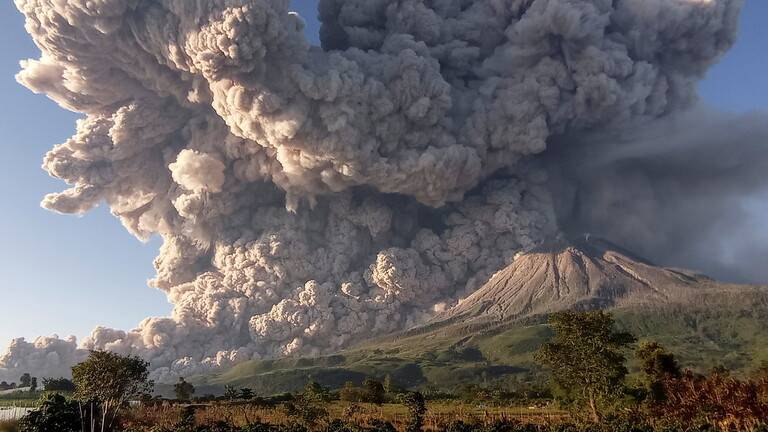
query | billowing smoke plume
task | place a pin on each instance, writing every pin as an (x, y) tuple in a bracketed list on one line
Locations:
[(308, 197), (675, 190)]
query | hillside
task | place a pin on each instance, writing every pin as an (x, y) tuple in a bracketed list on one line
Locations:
[(589, 274), (490, 337)]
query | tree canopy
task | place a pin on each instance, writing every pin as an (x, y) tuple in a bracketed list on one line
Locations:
[(112, 380), (183, 390), (586, 358)]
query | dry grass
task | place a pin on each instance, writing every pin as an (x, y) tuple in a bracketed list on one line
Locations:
[(9, 425), (438, 414)]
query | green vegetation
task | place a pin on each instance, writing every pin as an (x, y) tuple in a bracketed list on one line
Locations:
[(54, 413), (702, 336), (183, 390), (105, 382), (586, 359), (58, 385), (414, 402), (20, 399), (583, 355)]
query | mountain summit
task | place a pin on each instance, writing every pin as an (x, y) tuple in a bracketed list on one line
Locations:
[(494, 332), (588, 273)]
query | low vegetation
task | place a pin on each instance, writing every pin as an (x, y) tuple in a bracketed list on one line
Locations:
[(586, 363)]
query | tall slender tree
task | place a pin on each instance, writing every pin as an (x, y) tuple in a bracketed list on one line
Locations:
[(586, 358)]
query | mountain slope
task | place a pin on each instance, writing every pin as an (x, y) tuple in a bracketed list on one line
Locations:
[(590, 274), (490, 336)]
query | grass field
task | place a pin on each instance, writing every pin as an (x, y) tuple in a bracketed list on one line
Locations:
[(18, 403), (438, 414), (22, 399)]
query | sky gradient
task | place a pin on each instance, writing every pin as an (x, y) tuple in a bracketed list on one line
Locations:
[(66, 275)]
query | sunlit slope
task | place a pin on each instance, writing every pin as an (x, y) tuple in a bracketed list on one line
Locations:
[(490, 337)]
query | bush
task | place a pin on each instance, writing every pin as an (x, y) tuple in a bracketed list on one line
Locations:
[(414, 401), (459, 426), (340, 426), (351, 393), (373, 391), (377, 425), (56, 413), (316, 393), (58, 385), (306, 410)]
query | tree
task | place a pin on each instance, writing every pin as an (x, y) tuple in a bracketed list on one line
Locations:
[(586, 358), (350, 393), (414, 402), (230, 392), (183, 390), (246, 393), (58, 385), (315, 392), (658, 366), (389, 385), (374, 391), (33, 384), (112, 380), (55, 413), (25, 380), (307, 411)]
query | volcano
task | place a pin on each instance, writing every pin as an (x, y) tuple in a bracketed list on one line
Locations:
[(494, 332), (585, 274)]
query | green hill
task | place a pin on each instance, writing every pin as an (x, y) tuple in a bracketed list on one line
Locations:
[(490, 337), (736, 338)]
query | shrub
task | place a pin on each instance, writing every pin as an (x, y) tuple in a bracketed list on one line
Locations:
[(308, 411), (56, 413), (459, 426), (317, 393), (373, 391), (414, 401), (340, 426), (351, 393), (58, 385), (377, 425)]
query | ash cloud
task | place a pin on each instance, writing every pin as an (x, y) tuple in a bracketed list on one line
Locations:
[(674, 190), (309, 196)]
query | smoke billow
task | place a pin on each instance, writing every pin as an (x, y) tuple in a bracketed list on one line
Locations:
[(311, 196), (674, 190)]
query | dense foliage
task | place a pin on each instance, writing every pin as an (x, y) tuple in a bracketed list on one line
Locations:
[(58, 385), (55, 414), (183, 390), (586, 360)]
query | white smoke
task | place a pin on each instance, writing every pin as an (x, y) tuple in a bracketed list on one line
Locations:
[(399, 149)]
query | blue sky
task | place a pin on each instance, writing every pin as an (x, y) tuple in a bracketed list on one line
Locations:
[(66, 274)]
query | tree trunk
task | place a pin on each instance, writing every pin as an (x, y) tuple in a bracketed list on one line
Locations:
[(104, 408), (114, 414), (82, 416)]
